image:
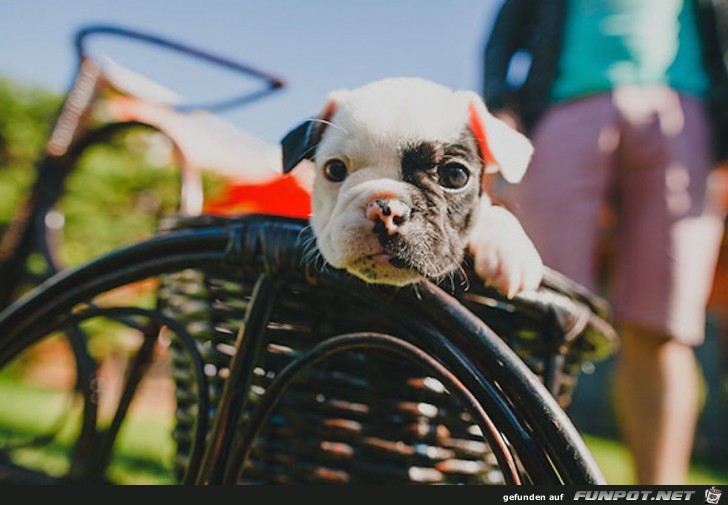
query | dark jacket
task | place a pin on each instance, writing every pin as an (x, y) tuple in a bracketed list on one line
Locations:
[(535, 27)]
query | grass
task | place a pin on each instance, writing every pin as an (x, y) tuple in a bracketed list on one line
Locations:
[(143, 454), (614, 460), (145, 449)]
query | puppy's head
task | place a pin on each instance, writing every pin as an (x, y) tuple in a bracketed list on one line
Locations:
[(399, 169)]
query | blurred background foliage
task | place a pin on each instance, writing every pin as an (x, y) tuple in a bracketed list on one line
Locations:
[(25, 118), (115, 196)]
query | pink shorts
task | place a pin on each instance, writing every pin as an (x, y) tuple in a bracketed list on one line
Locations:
[(646, 151)]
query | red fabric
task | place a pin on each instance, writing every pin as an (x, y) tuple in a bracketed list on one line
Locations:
[(282, 196), (478, 128)]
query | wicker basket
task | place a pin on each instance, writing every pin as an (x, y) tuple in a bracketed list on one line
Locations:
[(363, 416)]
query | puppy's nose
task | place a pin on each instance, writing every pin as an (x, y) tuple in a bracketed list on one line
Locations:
[(392, 213)]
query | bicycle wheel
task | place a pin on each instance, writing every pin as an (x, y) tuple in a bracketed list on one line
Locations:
[(282, 373)]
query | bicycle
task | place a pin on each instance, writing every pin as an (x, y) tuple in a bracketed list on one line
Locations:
[(286, 372), (104, 100)]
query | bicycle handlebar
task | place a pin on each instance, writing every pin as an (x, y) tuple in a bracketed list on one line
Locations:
[(272, 83)]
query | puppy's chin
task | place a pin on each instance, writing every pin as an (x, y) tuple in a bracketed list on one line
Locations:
[(350, 244), (373, 267), (381, 268)]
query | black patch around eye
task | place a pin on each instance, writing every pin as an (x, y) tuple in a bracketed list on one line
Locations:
[(418, 158), (464, 148)]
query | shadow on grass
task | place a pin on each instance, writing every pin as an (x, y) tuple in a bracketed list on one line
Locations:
[(52, 458)]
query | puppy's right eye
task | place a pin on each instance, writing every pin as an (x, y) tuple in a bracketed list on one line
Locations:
[(335, 170), (453, 176)]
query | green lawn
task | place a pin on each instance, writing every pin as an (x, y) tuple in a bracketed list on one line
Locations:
[(143, 454), (146, 450), (614, 461)]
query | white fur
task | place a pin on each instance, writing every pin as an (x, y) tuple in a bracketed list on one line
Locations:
[(369, 126), (504, 255)]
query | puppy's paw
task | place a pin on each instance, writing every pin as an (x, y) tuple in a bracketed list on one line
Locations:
[(504, 255)]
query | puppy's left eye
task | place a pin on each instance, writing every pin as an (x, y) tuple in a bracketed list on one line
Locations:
[(335, 170), (453, 176)]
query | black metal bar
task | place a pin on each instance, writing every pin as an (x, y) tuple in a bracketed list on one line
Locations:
[(552, 333), (121, 314), (272, 83), (188, 343), (26, 230), (160, 255), (86, 385), (139, 366), (83, 34), (234, 396), (447, 341), (552, 425), (347, 342)]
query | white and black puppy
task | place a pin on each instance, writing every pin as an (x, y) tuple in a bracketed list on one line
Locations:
[(398, 189)]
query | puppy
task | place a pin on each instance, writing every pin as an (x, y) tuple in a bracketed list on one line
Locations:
[(398, 192)]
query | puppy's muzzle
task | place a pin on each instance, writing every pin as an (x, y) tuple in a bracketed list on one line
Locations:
[(388, 215)]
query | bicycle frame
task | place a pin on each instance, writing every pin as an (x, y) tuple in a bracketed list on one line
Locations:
[(78, 126)]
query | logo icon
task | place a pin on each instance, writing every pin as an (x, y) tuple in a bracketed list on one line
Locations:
[(712, 495)]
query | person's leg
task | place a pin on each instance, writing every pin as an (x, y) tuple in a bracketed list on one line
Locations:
[(656, 395), (668, 246)]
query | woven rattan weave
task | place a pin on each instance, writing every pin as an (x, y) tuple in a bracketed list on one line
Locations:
[(285, 371), (365, 415)]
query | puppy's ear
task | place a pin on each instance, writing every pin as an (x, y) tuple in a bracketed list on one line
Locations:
[(300, 143), (502, 147)]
